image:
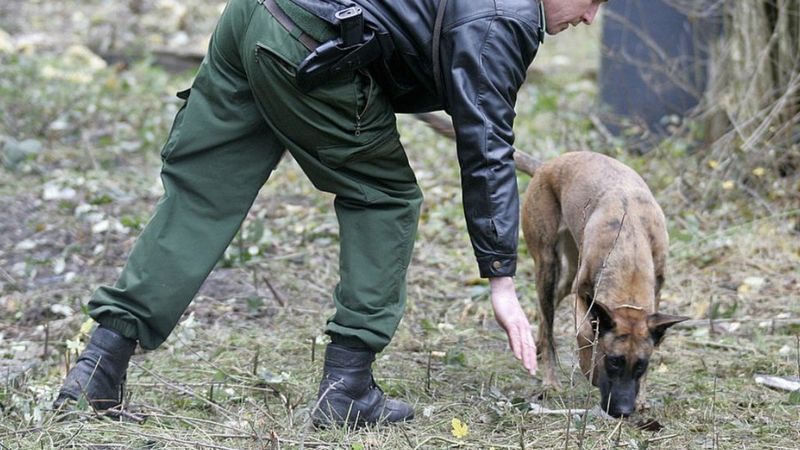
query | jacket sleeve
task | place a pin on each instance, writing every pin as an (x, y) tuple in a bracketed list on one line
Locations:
[(484, 63)]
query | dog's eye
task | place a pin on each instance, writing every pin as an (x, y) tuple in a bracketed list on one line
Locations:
[(615, 363), (640, 367)]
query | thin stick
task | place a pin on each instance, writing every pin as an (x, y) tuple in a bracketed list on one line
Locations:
[(428, 374), (182, 389), (540, 411), (193, 444), (71, 438), (46, 339), (255, 361), (714, 413), (11, 279), (314, 410), (662, 438), (616, 429), (704, 322), (570, 411), (408, 438), (585, 415), (601, 128), (723, 346), (449, 441), (797, 347), (711, 316), (278, 296)]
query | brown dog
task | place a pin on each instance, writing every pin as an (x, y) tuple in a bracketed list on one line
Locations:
[(595, 231)]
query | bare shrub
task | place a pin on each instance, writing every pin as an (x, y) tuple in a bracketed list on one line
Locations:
[(752, 106)]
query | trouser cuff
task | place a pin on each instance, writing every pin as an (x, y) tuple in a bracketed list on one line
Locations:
[(120, 326), (347, 341)]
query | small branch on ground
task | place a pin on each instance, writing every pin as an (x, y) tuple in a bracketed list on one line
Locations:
[(280, 298), (790, 384)]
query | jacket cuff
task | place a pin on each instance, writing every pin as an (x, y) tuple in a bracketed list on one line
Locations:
[(497, 266)]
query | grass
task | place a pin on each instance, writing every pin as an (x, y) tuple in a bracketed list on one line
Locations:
[(241, 370)]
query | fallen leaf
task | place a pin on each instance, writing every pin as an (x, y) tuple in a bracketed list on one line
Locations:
[(649, 425), (460, 429)]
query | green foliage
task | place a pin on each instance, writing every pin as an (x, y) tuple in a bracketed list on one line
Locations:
[(73, 99), (720, 311), (456, 355)]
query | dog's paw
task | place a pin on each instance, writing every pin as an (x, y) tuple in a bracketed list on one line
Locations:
[(551, 382)]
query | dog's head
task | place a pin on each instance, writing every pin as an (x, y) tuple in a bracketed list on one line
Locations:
[(627, 336)]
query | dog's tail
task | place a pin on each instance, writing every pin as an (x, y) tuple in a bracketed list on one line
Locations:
[(525, 163)]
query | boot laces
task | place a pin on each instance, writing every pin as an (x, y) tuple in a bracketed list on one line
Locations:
[(374, 385)]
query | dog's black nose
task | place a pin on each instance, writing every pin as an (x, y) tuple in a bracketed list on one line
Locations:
[(621, 410)]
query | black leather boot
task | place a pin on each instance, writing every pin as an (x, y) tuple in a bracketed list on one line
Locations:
[(99, 372), (348, 393)]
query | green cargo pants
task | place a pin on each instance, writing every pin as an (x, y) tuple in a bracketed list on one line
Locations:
[(243, 110)]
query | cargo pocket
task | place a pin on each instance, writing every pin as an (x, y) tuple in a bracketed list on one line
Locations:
[(336, 156), (369, 129), (175, 131)]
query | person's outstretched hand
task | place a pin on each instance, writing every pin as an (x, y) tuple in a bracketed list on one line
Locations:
[(510, 316)]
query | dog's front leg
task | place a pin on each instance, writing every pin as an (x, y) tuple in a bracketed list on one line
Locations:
[(546, 285)]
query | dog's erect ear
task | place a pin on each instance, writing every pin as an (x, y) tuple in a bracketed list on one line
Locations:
[(600, 315), (658, 324)]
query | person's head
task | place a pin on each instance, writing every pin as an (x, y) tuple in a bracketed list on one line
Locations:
[(560, 14)]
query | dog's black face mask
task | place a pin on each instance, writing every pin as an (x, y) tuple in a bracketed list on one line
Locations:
[(619, 384), (626, 341)]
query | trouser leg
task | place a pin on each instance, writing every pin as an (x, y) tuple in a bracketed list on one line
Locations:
[(344, 136), (377, 239), (218, 155)]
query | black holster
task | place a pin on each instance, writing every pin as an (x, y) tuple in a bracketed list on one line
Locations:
[(360, 43)]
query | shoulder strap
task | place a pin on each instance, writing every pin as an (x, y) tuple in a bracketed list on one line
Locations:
[(437, 39)]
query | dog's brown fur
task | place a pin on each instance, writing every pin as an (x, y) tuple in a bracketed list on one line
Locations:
[(596, 232)]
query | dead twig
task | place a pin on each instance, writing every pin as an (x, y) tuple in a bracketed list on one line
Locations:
[(723, 346), (542, 411), (281, 299), (182, 389), (700, 323), (11, 280), (662, 438), (601, 128), (790, 384)]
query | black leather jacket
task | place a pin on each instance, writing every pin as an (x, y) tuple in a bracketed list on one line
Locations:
[(486, 48)]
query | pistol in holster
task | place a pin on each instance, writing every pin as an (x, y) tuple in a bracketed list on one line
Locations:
[(357, 46)]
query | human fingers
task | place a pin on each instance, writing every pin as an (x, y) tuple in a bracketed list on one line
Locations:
[(529, 346), (514, 342)]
